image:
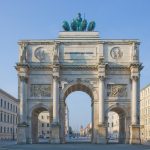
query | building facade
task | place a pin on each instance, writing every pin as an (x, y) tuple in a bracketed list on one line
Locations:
[(145, 114), (44, 125), (113, 126), (8, 116)]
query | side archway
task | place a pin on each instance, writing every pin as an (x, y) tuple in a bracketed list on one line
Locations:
[(122, 114), (34, 113)]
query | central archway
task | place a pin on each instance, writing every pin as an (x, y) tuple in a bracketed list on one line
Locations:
[(71, 89)]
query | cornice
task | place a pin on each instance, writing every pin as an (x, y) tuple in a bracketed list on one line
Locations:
[(37, 42), (21, 65)]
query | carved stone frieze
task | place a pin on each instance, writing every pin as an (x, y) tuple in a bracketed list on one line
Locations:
[(117, 90), (40, 90)]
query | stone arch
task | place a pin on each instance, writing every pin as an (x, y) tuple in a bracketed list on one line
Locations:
[(116, 108), (34, 113), (122, 113), (78, 87), (39, 106)]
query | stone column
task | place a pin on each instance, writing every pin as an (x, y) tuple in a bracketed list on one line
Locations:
[(134, 100), (23, 99), (55, 100), (135, 126), (101, 100), (22, 126), (55, 126), (62, 121), (101, 125)]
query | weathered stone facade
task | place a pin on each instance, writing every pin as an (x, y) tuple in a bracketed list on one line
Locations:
[(107, 70)]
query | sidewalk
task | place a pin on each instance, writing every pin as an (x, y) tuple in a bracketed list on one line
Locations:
[(7, 142)]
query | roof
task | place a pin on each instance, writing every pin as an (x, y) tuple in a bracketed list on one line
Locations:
[(145, 87), (7, 94)]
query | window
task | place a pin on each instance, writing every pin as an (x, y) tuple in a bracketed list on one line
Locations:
[(8, 105), (1, 102), (4, 117), (47, 132), (4, 129), (7, 130), (47, 124), (1, 129), (10, 130), (11, 107), (145, 121), (11, 118), (42, 124), (42, 117), (16, 109), (1, 116), (8, 118), (16, 120), (4, 104)]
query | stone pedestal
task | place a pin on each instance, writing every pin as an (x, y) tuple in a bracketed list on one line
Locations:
[(21, 134), (135, 134), (102, 139), (55, 129)]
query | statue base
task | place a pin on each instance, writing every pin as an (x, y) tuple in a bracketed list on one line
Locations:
[(135, 134), (99, 135), (55, 129), (21, 134)]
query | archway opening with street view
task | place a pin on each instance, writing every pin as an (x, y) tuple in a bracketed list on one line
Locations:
[(78, 117)]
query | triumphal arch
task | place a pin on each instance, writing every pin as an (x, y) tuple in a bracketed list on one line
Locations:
[(79, 60)]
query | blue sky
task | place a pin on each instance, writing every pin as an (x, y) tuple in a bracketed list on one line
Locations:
[(42, 19)]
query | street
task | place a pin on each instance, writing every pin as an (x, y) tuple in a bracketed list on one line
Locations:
[(77, 146)]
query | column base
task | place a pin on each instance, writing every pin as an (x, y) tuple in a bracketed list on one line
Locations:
[(100, 136), (55, 129), (135, 134), (21, 134)]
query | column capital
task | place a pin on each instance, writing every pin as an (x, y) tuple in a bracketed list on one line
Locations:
[(55, 77), (134, 77), (102, 78), (23, 78)]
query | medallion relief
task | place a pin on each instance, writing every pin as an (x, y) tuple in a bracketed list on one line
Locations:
[(40, 90), (116, 53), (117, 90)]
